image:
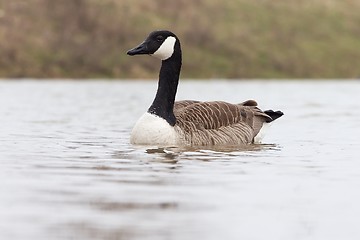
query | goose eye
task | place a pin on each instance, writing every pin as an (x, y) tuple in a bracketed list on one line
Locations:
[(159, 38)]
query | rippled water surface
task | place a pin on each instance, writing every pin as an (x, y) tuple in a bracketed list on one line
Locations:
[(69, 172)]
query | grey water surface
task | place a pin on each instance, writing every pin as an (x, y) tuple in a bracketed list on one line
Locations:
[(69, 172)]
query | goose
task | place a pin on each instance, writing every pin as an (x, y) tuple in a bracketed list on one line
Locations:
[(190, 122)]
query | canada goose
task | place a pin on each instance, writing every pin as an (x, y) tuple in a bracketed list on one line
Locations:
[(190, 122)]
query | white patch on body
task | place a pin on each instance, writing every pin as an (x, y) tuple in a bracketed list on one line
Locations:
[(153, 130), (258, 138), (166, 49)]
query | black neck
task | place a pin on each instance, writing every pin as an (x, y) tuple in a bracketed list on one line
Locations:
[(163, 103)]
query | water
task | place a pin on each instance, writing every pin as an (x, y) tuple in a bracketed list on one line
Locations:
[(68, 171)]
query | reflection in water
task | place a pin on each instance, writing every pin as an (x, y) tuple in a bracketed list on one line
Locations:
[(117, 206), (69, 172), (209, 153)]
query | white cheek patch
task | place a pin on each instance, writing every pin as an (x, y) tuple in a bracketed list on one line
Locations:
[(166, 49)]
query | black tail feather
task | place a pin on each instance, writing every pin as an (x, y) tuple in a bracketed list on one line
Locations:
[(273, 114)]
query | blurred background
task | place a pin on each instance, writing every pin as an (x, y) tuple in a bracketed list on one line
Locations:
[(68, 170), (220, 39)]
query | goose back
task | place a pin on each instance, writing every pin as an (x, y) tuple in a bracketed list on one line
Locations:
[(218, 123)]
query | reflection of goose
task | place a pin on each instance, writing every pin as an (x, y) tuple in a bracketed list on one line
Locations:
[(192, 122)]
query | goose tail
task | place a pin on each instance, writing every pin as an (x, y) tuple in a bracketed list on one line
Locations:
[(273, 114)]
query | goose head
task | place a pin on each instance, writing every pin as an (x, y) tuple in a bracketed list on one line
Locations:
[(160, 44)]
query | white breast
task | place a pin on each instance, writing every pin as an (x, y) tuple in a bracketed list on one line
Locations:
[(153, 130)]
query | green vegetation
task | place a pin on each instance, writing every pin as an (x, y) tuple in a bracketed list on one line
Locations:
[(220, 39)]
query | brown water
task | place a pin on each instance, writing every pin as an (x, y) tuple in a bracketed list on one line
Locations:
[(69, 172)]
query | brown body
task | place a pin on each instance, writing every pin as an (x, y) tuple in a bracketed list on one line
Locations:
[(218, 123)]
